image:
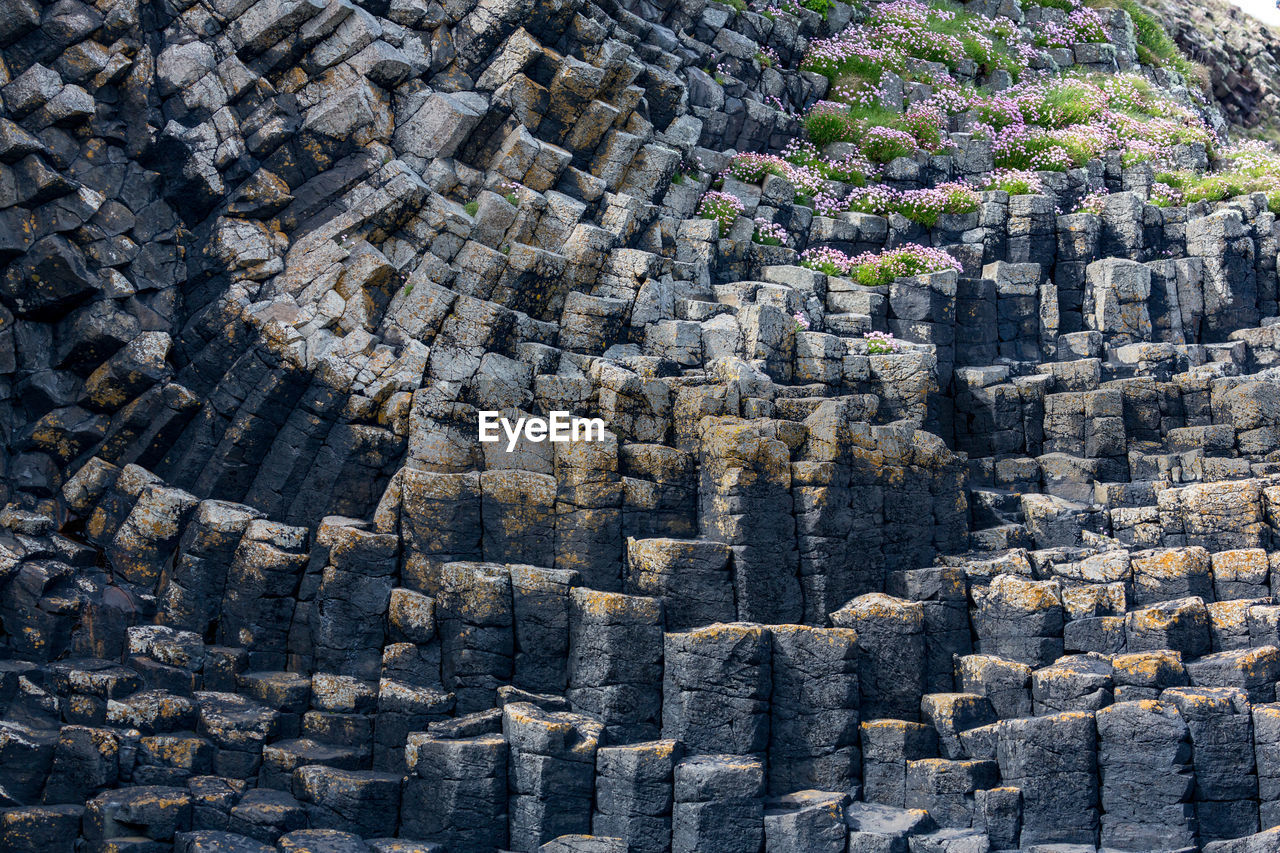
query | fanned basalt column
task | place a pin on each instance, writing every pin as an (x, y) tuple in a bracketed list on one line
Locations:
[(746, 498), (717, 675), (932, 491), (1143, 758)]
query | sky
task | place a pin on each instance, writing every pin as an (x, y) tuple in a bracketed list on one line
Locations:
[(1264, 9)]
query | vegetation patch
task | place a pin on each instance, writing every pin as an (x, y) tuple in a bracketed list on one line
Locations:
[(877, 269)]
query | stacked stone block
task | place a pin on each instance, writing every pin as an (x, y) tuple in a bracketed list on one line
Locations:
[(719, 801), (456, 791), (1059, 788), (265, 263), (615, 663), (476, 632), (1147, 780), (551, 773), (813, 716), (717, 675), (634, 793), (1226, 777), (890, 654)]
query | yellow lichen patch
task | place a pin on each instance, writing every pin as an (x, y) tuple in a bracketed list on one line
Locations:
[(1029, 595), (1246, 565), (662, 748), (1259, 662), (1172, 563), (1056, 673), (175, 751), (1230, 614), (1197, 699), (1146, 665), (605, 605), (878, 606)]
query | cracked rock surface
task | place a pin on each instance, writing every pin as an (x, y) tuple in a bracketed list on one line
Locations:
[(1005, 587)]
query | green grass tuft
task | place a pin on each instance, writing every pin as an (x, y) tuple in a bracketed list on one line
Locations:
[(1155, 46)]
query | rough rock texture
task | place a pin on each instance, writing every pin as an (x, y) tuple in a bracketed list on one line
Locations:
[(1241, 54), (263, 587)]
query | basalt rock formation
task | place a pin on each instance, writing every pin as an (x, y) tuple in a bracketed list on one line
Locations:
[(1240, 53), (1008, 585)]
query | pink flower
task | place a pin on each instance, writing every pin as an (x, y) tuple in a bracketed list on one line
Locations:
[(754, 168), (1015, 182), (1164, 195), (826, 260), (1082, 24), (882, 144), (724, 208), (881, 343), (770, 233), (923, 206), (880, 268), (1093, 202)]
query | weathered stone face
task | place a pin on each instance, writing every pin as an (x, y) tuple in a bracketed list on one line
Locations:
[(1001, 582)]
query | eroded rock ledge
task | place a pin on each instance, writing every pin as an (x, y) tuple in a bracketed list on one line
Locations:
[(1003, 585)]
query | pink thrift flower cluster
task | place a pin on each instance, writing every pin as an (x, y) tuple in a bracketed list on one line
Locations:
[(773, 8), (830, 56), (1043, 122), (926, 205), (876, 269), (754, 168), (1015, 182), (998, 111), (878, 199), (1163, 195), (724, 208), (1252, 154), (928, 123), (852, 168), (824, 259), (1082, 24), (1059, 124), (770, 233), (1254, 167), (1093, 202), (881, 343), (829, 204), (1056, 103), (511, 189), (923, 206), (895, 33), (882, 144), (802, 166), (776, 102), (923, 126)]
